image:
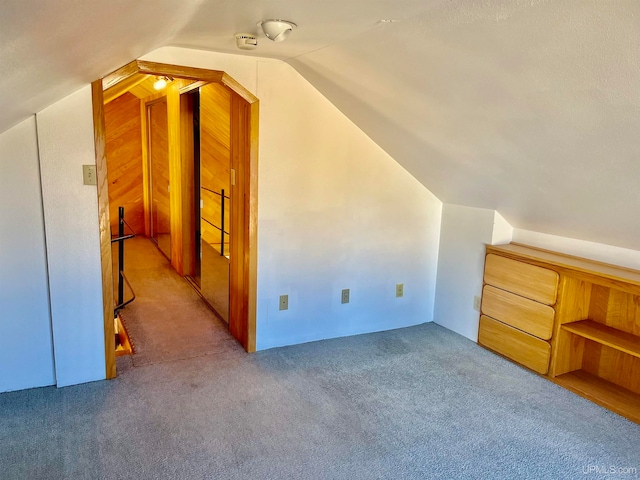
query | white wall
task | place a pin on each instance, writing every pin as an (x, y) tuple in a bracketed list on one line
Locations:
[(502, 230), (596, 251), (26, 355), (65, 137), (335, 211), (465, 232)]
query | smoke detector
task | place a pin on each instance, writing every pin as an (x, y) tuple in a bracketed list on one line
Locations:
[(246, 41)]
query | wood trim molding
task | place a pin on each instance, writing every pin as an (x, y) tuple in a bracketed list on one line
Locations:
[(244, 201), (239, 89), (187, 179), (254, 116), (100, 142), (146, 196), (191, 73), (175, 176), (122, 87), (120, 75)]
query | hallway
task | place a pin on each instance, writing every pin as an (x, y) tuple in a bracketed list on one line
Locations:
[(168, 321)]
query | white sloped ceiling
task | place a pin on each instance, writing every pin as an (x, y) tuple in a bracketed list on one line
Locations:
[(528, 107)]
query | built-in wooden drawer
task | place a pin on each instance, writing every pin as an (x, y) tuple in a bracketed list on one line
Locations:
[(537, 283), (520, 347), (520, 312)]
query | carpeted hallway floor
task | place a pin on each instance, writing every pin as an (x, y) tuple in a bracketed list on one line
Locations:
[(418, 403), (168, 321)]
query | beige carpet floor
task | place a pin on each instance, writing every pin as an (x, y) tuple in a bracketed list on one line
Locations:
[(168, 321)]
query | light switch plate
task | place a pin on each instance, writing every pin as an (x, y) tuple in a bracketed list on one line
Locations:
[(284, 302), (399, 290), (89, 175), (345, 295)]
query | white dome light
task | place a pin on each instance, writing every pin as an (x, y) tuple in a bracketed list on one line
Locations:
[(277, 30)]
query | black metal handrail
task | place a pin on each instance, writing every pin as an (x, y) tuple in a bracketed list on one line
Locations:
[(215, 226), (221, 227), (122, 279), (216, 193), (120, 306)]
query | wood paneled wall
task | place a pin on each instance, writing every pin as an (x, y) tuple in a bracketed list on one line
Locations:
[(175, 174), (124, 161), (215, 160), (159, 152)]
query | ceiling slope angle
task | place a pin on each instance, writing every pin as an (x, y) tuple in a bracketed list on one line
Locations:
[(529, 108), (51, 49)]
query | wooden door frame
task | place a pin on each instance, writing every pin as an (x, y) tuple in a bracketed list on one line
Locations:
[(244, 264)]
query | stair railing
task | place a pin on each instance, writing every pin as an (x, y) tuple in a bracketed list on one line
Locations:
[(223, 197), (122, 278)]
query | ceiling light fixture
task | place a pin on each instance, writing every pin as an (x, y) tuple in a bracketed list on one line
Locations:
[(277, 30), (161, 82)]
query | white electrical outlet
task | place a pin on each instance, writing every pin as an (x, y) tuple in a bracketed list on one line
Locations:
[(476, 303), (399, 290)]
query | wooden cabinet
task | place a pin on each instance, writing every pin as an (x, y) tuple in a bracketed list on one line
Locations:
[(519, 346), (519, 312), (539, 284), (575, 321)]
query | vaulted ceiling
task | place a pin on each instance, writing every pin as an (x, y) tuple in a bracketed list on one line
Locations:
[(528, 107)]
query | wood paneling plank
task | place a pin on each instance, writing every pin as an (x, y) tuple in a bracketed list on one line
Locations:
[(124, 160), (175, 169), (188, 185)]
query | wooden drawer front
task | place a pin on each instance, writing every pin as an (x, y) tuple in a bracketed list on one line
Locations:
[(532, 317), (537, 283), (520, 347)]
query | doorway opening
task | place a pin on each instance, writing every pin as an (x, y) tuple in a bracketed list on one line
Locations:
[(195, 195), (209, 110)]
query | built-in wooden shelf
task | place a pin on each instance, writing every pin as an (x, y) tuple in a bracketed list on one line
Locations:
[(611, 337), (590, 314), (602, 392)]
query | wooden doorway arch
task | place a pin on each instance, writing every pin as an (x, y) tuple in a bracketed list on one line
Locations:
[(244, 161)]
